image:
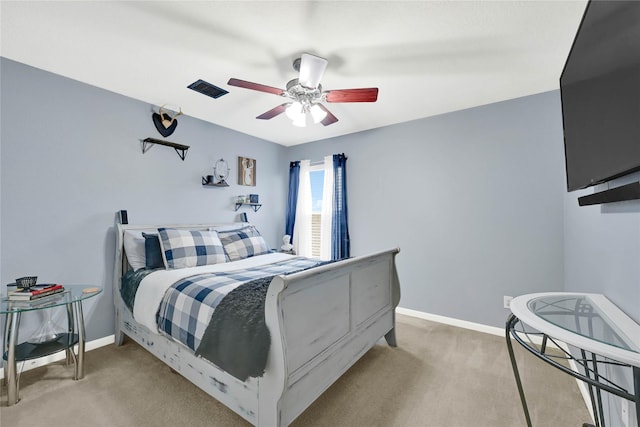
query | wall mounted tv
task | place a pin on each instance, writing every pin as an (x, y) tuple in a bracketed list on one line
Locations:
[(600, 92)]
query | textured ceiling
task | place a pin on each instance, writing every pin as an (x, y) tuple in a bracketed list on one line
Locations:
[(426, 57)]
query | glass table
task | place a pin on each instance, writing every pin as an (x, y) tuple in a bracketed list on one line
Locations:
[(589, 334), (13, 352)]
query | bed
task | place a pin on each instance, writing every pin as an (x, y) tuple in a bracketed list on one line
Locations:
[(320, 320)]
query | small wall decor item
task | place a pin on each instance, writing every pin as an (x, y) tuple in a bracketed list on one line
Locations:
[(220, 174), (246, 171), (165, 122), (253, 198)]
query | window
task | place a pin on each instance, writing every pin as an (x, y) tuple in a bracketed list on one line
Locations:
[(317, 208), (316, 175)]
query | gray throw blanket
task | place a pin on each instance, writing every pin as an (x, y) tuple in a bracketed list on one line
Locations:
[(237, 337)]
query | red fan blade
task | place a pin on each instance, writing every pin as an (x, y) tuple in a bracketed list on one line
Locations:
[(353, 95), (274, 112), (255, 86), (330, 118)]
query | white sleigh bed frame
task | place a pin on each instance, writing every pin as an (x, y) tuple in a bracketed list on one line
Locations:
[(312, 344)]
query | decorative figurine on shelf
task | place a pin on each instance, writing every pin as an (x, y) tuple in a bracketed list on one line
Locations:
[(221, 171), (220, 174), (286, 247)]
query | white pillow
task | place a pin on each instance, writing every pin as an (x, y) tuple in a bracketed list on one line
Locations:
[(134, 248)]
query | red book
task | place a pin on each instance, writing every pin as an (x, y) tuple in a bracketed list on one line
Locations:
[(35, 292)]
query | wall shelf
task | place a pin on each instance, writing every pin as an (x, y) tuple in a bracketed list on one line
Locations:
[(147, 143), (217, 184), (206, 183), (254, 206)]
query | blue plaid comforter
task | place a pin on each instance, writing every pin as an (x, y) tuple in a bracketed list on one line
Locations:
[(188, 304)]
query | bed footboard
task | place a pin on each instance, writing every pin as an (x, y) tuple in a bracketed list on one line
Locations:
[(321, 322)]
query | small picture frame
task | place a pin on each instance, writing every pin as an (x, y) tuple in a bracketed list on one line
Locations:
[(253, 198), (246, 171)]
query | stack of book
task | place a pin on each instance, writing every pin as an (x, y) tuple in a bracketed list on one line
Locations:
[(35, 292)]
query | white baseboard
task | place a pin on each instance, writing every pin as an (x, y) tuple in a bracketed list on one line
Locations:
[(452, 321), (42, 361), (492, 330)]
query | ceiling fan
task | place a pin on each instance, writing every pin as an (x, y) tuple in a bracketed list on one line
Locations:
[(306, 95)]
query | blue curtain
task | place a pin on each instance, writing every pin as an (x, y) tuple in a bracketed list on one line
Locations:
[(340, 243), (292, 199)]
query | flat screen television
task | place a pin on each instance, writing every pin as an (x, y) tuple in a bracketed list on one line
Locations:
[(600, 92)]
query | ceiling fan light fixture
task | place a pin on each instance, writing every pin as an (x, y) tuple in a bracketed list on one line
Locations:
[(317, 113), (311, 70), (294, 110), (300, 121), (305, 94)]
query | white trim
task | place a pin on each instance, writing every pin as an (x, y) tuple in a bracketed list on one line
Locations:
[(451, 321), (492, 330), (27, 365), (465, 324)]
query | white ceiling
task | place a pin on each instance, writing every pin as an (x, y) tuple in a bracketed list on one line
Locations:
[(426, 57)]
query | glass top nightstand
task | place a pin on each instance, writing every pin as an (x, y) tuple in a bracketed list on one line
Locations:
[(70, 294), (71, 298)]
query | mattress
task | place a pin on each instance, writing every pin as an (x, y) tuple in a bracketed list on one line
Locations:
[(153, 286)]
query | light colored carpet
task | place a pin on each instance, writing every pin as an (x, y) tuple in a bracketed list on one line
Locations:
[(439, 376)]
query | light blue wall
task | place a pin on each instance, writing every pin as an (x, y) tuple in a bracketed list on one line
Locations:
[(71, 158), (602, 255), (473, 198), (602, 249)]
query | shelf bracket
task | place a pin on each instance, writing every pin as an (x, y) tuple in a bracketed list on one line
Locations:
[(254, 206), (181, 150)]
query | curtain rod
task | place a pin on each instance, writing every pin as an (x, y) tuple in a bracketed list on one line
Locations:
[(319, 162)]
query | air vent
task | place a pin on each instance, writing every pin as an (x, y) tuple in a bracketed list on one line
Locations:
[(207, 89)]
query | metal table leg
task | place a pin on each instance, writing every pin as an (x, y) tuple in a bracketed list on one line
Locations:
[(5, 347), (636, 388), (70, 356), (511, 321), (13, 322), (81, 338), (592, 382)]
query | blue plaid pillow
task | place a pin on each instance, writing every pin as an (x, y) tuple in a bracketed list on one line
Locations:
[(243, 243), (185, 248)]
